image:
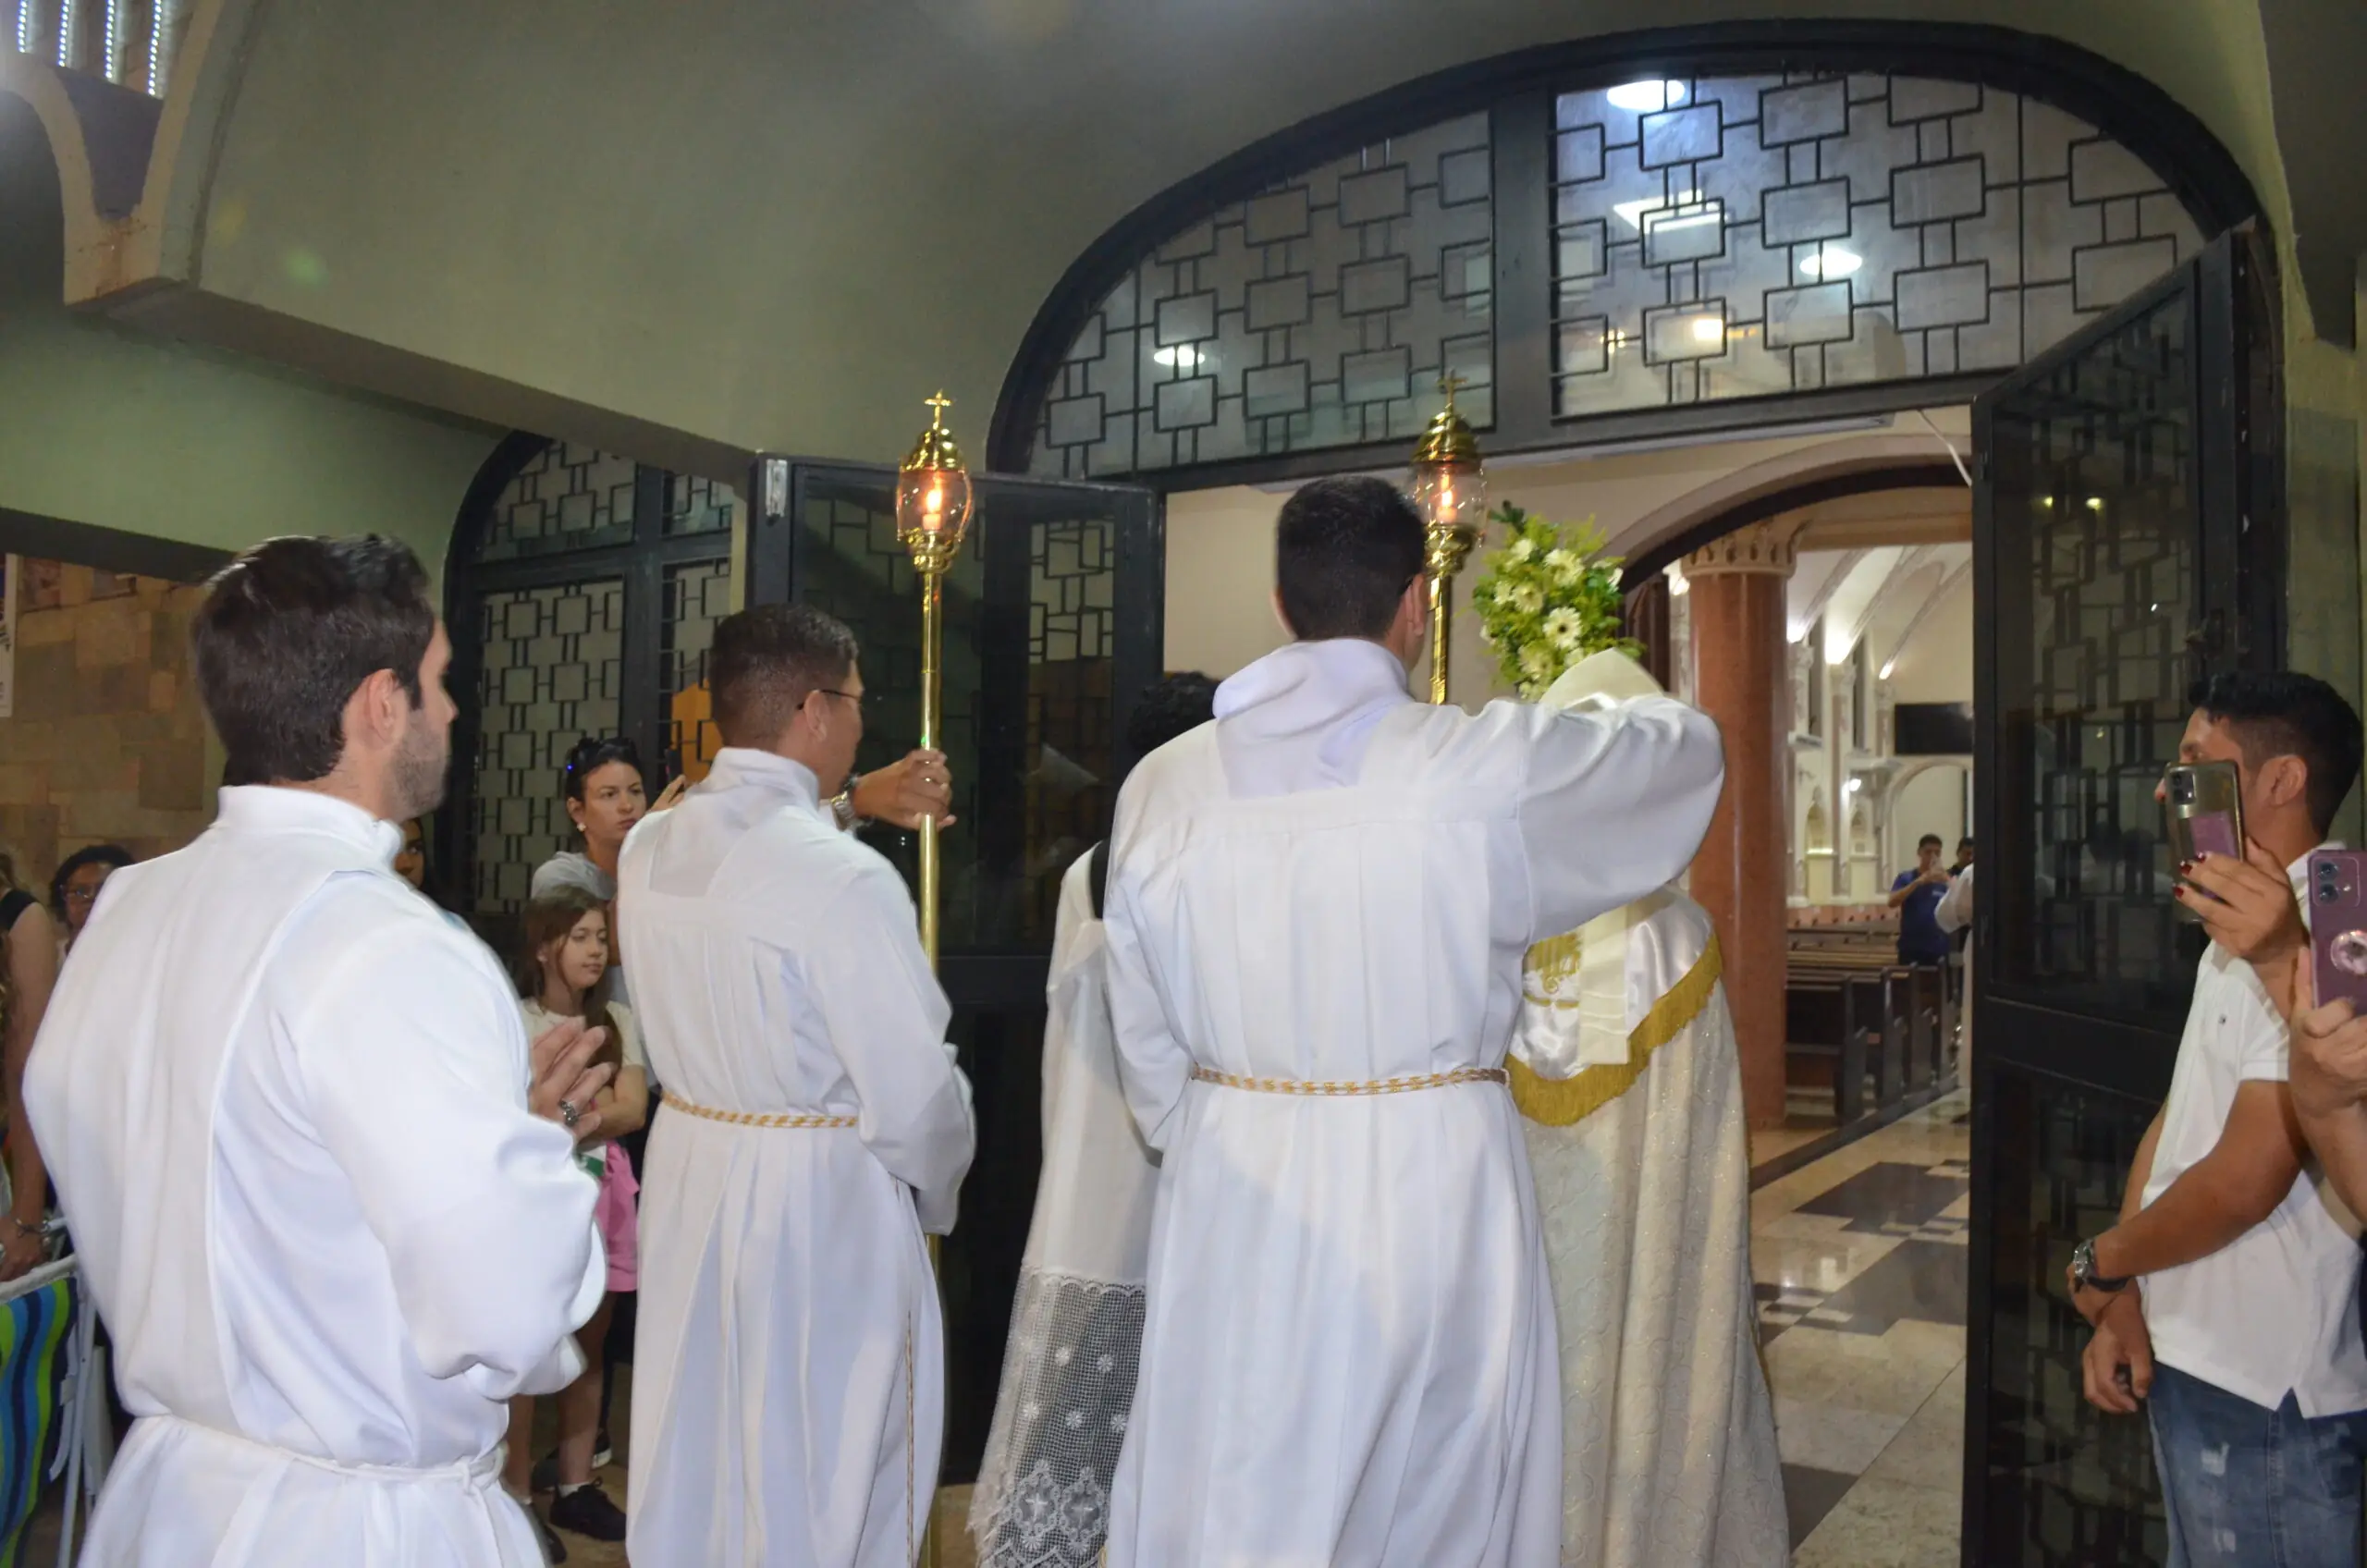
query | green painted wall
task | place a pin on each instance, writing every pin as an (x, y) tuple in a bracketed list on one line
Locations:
[(101, 423), (779, 227)]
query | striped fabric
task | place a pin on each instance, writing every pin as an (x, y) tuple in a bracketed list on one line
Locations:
[(36, 1332)]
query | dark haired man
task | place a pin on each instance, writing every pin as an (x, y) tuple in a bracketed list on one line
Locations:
[(1316, 913), (1081, 1279), (2226, 1298), (789, 1360), (322, 1189), (1916, 895)]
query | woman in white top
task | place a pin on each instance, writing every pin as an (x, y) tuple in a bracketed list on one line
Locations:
[(562, 959)]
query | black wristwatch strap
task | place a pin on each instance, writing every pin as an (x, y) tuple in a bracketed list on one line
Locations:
[(2083, 1269)]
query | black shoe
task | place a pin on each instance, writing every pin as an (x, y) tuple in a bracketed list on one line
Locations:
[(587, 1512), (554, 1549)]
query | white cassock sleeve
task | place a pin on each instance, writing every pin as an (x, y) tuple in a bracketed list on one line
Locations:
[(886, 1014), (1954, 912), (413, 1060), (1614, 806), (1157, 1069)]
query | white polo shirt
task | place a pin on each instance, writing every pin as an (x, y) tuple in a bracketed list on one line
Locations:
[(2275, 1311)]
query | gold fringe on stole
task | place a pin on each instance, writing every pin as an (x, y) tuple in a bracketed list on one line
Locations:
[(1562, 1102)]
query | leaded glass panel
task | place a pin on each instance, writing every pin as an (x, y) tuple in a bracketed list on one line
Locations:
[(695, 505), (1320, 312), (2098, 459), (2071, 1487), (566, 497), (697, 596), (552, 668), (1071, 641), (1731, 238)]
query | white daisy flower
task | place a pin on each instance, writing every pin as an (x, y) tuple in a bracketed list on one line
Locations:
[(1523, 549), (1563, 628)]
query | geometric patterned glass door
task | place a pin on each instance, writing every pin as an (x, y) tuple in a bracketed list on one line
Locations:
[(583, 593), (2106, 515)]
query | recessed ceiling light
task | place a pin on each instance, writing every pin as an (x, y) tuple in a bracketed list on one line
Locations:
[(1647, 97), (1185, 358), (1708, 329), (1829, 262)]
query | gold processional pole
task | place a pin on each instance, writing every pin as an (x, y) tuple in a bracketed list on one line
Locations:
[(932, 516), (1450, 489)]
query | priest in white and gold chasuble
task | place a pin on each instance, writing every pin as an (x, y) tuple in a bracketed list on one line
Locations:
[(1625, 1069)]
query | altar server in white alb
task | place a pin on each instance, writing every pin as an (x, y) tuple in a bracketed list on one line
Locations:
[(288, 1110), (1318, 908), (1625, 1068), (789, 1363)]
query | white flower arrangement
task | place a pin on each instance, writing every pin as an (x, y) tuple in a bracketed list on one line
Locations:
[(1549, 597)]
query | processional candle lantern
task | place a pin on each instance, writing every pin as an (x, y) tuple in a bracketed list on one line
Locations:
[(932, 517), (1450, 489)]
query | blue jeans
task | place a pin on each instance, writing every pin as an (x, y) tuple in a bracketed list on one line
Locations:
[(2247, 1487)]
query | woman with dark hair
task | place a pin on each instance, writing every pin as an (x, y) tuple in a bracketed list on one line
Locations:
[(606, 793), (28, 970), (559, 969), (74, 890)]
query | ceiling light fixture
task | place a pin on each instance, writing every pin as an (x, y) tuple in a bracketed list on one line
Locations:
[(1709, 329), (1647, 97), (1830, 262), (1185, 358)]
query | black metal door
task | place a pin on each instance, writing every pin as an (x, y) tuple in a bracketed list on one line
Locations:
[(2127, 540), (1053, 628)]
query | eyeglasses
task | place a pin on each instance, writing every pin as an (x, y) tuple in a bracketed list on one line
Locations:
[(854, 697)]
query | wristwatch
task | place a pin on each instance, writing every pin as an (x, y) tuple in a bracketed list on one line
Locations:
[(843, 805), (2084, 1276)]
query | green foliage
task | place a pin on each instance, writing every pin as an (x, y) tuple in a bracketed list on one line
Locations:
[(1549, 597)]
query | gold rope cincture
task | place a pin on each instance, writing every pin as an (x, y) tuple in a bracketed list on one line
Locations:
[(1351, 1087), (751, 1118), (1562, 1102)]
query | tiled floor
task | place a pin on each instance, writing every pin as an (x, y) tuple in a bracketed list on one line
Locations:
[(1858, 1261)]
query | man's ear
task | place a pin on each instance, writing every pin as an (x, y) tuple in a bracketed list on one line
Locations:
[(2286, 780), (374, 714)]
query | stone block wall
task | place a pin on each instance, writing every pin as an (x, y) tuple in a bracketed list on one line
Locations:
[(108, 743)]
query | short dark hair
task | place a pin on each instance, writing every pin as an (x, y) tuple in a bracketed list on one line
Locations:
[(1345, 549), (1965, 842), (1175, 707), (114, 857), (766, 660), (2279, 714), (288, 632), (591, 754), (1930, 842)]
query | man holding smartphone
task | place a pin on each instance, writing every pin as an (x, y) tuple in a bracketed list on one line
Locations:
[(2226, 1297)]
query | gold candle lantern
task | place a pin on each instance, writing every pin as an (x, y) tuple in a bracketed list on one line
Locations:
[(1450, 489), (932, 517)]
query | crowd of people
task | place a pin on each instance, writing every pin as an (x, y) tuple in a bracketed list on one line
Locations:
[(1391, 1103)]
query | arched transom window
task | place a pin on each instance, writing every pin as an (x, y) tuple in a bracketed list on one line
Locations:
[(1610, 254)]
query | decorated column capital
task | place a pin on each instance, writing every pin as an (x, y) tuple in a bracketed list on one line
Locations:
[(1769, 550)]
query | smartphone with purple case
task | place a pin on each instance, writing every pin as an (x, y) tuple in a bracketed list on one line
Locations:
[(2338, 924), (2204, 808)]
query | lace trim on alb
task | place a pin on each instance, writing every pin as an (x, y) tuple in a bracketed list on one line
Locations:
[(1068, 1387)]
